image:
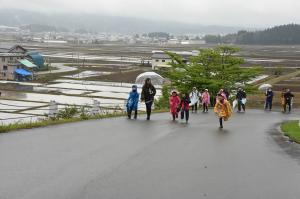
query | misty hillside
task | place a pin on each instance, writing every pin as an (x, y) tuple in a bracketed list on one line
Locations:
[(278, 35), (105, 23)]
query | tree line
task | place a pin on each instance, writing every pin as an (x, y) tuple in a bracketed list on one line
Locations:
[(278, 35)]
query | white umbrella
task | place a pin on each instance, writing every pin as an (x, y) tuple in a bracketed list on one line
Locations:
[(264, 87), (155, 78), (238, 84)]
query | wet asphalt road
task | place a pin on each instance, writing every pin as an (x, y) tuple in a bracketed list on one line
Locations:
[(121, 159)]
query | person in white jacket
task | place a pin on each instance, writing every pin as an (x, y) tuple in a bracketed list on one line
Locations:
[(194, 97)]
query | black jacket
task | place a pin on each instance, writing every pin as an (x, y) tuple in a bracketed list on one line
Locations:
[(269, 95), (148, 93), (288, 96), (240, 95), (185, 103)]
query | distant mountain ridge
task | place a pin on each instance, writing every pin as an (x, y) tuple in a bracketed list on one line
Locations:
[(112, 24)]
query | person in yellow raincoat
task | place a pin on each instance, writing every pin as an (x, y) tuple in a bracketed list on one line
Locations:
[(222, 109), (282, 99)]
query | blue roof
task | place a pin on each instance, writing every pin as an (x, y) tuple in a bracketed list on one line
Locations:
[(37, 58), (23, 72)]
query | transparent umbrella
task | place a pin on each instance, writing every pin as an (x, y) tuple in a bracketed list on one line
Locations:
[(155, 78), (264, 87)]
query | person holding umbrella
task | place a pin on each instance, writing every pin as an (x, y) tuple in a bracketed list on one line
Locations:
[(269, 99), (147, 95)]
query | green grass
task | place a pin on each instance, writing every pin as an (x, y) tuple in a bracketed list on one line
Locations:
[(292, 130)]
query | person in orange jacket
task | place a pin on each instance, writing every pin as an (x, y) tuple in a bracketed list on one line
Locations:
[(222, 109)]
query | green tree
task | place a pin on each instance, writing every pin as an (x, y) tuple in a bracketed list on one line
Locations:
[(212, 68)]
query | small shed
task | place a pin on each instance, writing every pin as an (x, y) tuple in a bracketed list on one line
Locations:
[(37, 59)]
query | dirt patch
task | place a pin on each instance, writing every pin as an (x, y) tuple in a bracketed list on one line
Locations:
[(127, 76), (279, 87)]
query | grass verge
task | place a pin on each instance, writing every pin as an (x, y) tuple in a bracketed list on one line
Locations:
[(51, 122), (292, 130)]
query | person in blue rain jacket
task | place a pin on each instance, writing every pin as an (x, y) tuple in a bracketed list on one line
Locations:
[(132, 102)]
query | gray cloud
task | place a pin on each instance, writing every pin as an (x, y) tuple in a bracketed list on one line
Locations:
[(254, 13)]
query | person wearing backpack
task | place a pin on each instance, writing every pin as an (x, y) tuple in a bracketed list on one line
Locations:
[(185, 107)]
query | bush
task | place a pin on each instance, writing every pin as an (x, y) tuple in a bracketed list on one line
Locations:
[(67, 113), (278, 70), (163, 101), (83, 113)]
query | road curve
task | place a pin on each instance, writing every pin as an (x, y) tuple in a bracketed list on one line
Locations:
[(122, 159)]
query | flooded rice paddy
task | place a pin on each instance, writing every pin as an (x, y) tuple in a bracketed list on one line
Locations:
[(86, 74), (33, 104)]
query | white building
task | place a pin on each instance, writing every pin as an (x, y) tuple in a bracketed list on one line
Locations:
[(162, 60)]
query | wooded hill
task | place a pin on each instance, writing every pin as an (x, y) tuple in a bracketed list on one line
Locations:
[(279, 35)]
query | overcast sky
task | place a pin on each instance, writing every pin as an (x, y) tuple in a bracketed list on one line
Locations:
[(247, 13)]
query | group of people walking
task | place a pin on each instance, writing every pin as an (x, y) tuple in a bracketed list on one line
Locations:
[(286, 100), (203, 98), (180, 104)]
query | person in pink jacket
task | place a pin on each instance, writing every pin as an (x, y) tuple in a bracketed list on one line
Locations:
[(205, 100), (222, 92), (174, 102)]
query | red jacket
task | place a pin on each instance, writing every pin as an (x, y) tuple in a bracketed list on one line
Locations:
[(174, 102), (185, 103)]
